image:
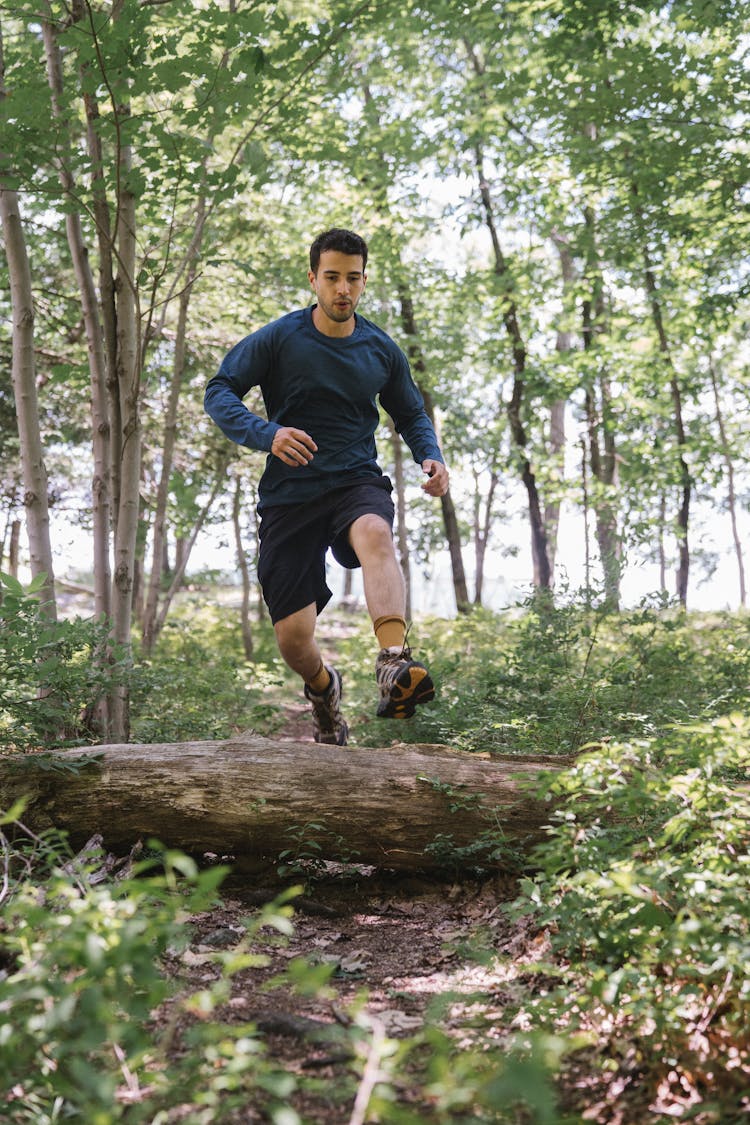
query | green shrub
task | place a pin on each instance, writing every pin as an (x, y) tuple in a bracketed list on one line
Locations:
[(644, 891), (554, 677), (198, 685), (82, 976), (52, 673)]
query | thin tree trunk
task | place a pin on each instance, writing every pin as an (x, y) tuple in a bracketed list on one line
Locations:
[(100, 431), (731, 490), (542, 566), (179, 554), (661, 547), (159, 526), (539, 543), (129, 386), (244, 569), (563, 346), (402, 539), (24, 387), (482, 531), (586, 533), (599, 421), (450, 519), (107, 299), (14, 548), (186, 548), (683, 513)]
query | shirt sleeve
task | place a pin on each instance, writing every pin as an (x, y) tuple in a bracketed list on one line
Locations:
[(244, 367), (402, 399)]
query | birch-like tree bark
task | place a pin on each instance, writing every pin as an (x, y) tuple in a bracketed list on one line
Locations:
[(24, 386)]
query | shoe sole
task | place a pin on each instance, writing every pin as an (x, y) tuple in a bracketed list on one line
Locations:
[(412, 687)]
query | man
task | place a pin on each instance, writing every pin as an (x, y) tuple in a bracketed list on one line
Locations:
[(320, 370)]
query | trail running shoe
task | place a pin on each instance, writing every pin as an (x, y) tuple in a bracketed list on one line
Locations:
[(329, 726), (403, 684)]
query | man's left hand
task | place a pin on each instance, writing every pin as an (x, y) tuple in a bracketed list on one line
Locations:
[(437, 484)]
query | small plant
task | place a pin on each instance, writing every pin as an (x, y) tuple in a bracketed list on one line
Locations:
[(51, 672), (313, 845)]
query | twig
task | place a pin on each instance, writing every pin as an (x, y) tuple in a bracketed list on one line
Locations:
[(370, 1074), (6, 867)]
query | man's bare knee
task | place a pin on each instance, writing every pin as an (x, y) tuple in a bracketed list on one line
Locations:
[(371, 534)]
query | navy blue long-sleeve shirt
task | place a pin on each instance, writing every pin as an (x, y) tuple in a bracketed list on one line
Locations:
[(327, 386)]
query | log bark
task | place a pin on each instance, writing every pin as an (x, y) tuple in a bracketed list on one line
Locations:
[(252, 797)]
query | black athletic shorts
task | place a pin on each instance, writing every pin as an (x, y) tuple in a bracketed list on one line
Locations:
[(294, 539)]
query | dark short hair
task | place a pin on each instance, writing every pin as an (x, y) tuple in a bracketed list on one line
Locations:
[(345, 241)]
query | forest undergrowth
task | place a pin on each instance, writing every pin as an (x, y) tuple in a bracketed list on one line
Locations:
[(605, 978)]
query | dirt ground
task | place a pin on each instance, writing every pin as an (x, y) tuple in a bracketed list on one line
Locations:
[(396, 945), (401, 949)]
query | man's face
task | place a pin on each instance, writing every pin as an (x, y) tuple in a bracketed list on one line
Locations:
[(338, 284)]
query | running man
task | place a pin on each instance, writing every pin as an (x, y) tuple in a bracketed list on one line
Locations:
[(320, 371)]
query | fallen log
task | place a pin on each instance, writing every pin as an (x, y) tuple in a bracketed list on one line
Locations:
[(403, 806)]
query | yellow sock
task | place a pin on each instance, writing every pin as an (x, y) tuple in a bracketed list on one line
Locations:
[(320, 681), (390, 631)]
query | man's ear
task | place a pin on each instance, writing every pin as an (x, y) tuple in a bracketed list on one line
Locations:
[(311, 277)]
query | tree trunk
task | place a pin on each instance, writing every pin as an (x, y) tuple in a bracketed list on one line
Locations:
[(660, 543), (100, 430), (586, 534), (186, 548), (24, 388), (482, 530), (731, 489), (599, 419), (13, 549), (683, 513), (539, 544), (686, 483), (450, 519), (246, 797), (159, 526), (244, 569), (129, 394), (563, 346), (107, 299)]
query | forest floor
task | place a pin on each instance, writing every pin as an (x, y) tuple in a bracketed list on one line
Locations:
[(405, 950)]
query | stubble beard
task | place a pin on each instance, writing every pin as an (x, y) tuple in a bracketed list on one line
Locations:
[(340, 316)]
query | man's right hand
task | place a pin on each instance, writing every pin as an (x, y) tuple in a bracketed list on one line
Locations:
[(293, 447)]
